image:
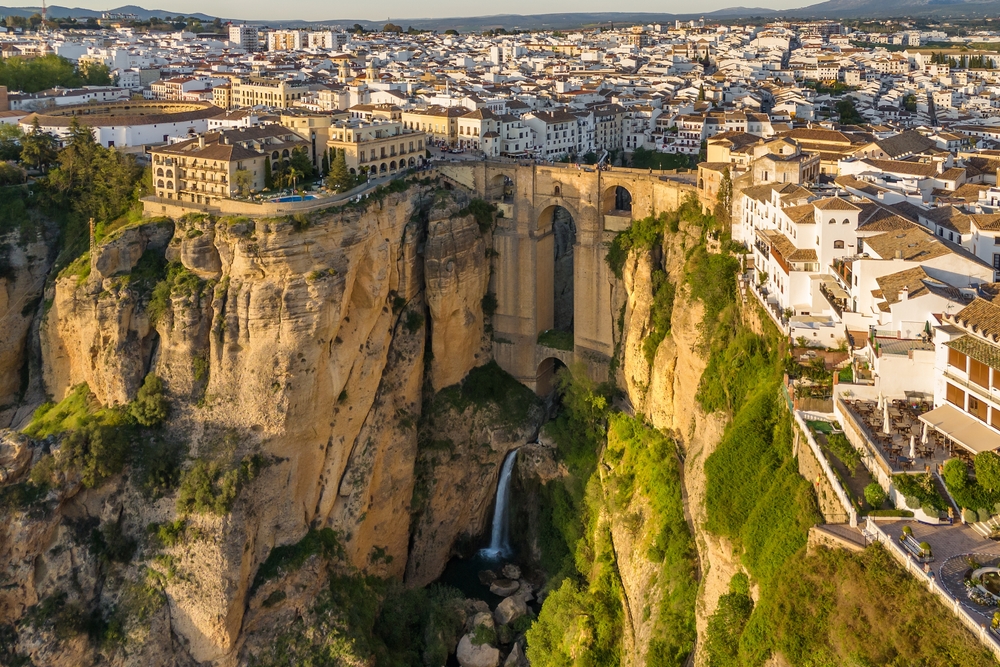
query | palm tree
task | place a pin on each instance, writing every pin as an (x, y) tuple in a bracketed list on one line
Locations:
[(294, 174)]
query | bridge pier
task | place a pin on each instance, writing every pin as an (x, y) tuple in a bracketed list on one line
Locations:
[(525, 266)]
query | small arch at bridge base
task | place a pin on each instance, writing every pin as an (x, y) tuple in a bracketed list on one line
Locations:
[(545, 378)]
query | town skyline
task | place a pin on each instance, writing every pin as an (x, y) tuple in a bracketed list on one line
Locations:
[(314, 11)]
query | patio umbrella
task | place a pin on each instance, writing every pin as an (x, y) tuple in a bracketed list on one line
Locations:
[(886, 426), (923, 436), (913, 447)]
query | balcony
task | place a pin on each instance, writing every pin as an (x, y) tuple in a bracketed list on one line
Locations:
[(981, 392), (836, 297)]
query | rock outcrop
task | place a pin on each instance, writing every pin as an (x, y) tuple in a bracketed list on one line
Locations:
[(457, 273), (302, 343), (96, 330), (470, 654), (24, 264)]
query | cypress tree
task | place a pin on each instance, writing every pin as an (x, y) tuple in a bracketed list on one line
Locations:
[(268, 179), (339, 178)]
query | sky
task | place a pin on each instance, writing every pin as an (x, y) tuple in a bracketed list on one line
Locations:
[(320, 10)]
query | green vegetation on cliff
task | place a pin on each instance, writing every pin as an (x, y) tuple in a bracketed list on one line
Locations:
[(97, 442), (357, 619), (823, 608), (582, 621)]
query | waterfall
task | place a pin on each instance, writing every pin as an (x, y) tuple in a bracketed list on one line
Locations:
[(500, 538)]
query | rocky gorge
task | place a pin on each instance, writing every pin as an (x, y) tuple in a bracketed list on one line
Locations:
[(302, 345), (272, 441)]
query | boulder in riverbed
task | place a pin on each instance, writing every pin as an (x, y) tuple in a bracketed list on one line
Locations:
[(516, 658), (470, 654), (504, 587), (510, 609), (511, 571)]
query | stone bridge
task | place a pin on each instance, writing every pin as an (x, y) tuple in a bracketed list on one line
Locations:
[(601, 203)]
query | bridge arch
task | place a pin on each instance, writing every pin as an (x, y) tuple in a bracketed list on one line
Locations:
[(545, 375), (554, 268), (500, 187), (617, 200)]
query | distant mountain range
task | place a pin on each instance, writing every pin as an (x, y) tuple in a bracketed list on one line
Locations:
[(78, 12), (833, 9)]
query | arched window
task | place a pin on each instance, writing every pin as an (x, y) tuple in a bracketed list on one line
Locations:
[(833, 221), (159, 183), (274, 155), (846, 221), (557, 192), (159, 172), (170, 173), (838, 245)]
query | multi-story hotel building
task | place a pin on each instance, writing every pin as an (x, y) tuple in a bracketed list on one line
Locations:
[(381, 147), (278, 93), (204, 169)]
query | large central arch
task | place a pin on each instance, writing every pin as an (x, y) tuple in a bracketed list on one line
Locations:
[(554, 269)]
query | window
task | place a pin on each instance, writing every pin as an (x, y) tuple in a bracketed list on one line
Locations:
[(838, 244), (957, 359), (979, 373), (955, 396), (977, 408)]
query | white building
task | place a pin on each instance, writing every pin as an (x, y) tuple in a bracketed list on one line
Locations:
[(245, 37)]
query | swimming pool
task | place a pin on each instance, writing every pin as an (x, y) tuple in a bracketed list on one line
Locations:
[(281, 200)]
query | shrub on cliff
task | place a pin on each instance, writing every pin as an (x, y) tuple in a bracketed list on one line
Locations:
[(725, 626), (150, 407), (208, 487)]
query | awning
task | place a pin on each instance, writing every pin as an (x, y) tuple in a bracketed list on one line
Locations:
[(836, 290), (964, 429)]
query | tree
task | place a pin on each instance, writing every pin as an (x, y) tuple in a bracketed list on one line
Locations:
[(294, 175), (875, 495), (988, 470), (11, 137), (150, 407), (848, 112), (300, 161), (39, 149), (268, 177), (242, 180), (339, 179), (94, 74), (724, 198), (325, 164)]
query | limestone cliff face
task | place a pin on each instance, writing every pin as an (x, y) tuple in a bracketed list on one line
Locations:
[(300, 341), (458, 273), (95, 331), (665, 393), (23, 268)]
